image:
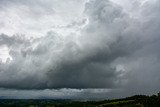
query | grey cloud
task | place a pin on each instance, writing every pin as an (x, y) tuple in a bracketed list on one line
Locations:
[(64, 93), (66, 67), (11, 41), (53, 62), (36, 7), (35, 18), (73, 24), (70, 65), (143, 65), (112, 37)]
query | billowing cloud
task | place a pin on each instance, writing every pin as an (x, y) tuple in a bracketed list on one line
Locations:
[(115, 48), (74, 61)]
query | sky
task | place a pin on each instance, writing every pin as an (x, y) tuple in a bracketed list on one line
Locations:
[(79, 49)]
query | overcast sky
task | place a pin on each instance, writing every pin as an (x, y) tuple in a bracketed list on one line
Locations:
[(80, 49)]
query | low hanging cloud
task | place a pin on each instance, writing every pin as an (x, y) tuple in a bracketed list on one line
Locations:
[(115, 49), (65, 62)]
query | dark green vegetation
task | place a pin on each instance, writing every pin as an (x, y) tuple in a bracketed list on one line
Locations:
[(134, 101)]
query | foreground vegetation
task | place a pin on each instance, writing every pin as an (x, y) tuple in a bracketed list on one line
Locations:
[(134, 101)]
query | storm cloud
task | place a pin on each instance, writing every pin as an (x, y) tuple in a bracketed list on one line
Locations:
[(112, 46)]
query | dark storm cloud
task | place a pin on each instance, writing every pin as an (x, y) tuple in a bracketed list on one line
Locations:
[(72, 68), (116, 49), (54, 62)]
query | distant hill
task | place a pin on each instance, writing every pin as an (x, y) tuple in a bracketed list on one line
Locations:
[(133, 101)]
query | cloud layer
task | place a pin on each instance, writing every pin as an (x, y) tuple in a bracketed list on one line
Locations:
[(112, 46)]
